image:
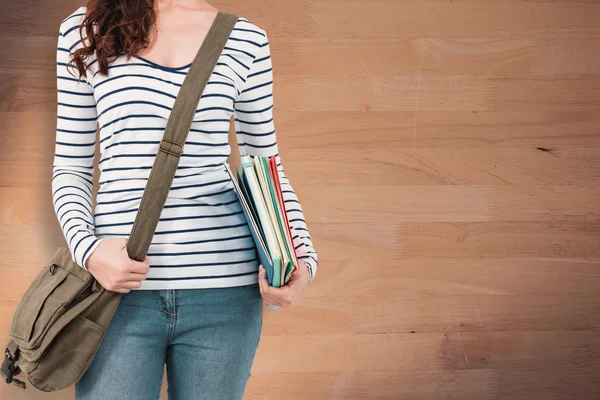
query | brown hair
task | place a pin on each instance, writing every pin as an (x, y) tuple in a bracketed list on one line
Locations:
[(113, 27)]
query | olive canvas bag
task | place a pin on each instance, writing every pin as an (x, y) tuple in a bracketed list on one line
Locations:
[(63, 316)]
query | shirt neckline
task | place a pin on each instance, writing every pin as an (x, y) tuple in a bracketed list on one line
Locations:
[(164, 67)]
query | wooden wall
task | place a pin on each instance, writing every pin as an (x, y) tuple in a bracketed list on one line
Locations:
[(446, 154)]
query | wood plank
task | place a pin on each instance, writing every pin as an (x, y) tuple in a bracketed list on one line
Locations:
[(445, 154), (570, 382)]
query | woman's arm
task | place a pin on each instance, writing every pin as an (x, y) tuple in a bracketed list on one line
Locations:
[(253, 112), (72, 169)]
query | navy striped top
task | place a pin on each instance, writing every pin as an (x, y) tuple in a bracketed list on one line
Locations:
[(202, 239)]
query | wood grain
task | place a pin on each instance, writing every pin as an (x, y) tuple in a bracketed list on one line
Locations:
[(446, 156)]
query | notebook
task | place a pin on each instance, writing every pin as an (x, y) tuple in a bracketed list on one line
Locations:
[(272, 161), (256, 230), (278, 218), (258, 188)]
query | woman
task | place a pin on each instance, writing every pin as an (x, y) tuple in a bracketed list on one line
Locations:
[(195, 303)]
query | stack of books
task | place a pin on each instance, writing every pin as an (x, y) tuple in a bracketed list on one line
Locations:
[(259, 191)]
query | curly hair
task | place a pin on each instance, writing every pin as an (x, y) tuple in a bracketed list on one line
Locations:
[(113, 27)]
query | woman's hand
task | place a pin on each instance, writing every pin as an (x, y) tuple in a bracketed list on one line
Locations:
[(285, 295), (113, 269)]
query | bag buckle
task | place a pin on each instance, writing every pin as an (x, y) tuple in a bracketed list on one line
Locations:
[(170, 147), (9, 370)]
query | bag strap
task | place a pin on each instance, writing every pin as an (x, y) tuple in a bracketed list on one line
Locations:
[(177, 129)]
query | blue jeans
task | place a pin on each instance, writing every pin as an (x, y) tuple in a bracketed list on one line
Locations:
[(206, 337)]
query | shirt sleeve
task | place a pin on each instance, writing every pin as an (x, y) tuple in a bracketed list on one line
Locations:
[(255, 131), (72, 168)]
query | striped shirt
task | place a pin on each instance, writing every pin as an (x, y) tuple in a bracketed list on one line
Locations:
[(202, 239)]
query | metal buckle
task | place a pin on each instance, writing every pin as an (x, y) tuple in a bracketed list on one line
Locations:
[(8, 367), (170, 147)]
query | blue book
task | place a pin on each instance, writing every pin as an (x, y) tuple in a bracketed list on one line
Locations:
[(253, 222)]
